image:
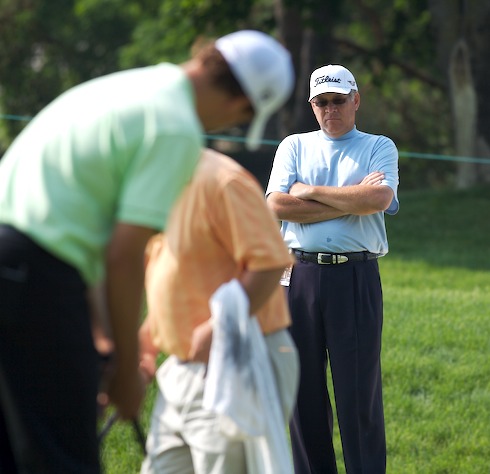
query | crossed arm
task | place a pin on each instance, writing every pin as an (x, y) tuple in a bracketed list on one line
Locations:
[(307, 204)]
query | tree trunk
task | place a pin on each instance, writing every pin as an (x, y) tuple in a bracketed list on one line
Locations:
[(465, 109), (463, 38), (309, 49)]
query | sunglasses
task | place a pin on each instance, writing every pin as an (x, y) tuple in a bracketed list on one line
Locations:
[(320, 103)]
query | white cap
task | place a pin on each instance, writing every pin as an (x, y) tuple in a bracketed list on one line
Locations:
[(264, 70), (331, 78)]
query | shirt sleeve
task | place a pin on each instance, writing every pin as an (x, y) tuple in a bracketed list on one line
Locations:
[(385, 159), (284, 170), (247, 228), (156, 178)]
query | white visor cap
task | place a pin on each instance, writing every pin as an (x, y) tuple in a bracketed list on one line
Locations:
[(331, 78), (264, 70)]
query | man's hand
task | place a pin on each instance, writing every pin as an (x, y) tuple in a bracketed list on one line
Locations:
[(202, 337), (373, 179), (148, 367), (148, 352), (300, 190)]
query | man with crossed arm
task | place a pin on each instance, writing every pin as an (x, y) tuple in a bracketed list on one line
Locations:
[(331, 188)]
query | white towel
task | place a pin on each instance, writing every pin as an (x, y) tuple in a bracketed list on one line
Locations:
[(240, 384)]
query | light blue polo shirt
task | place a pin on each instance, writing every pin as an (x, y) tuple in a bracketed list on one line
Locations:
[(314, 158)]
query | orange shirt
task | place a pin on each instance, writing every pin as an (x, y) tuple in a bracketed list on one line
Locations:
[(220, 226)]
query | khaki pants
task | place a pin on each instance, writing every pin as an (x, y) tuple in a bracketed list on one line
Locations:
[(185, 438)]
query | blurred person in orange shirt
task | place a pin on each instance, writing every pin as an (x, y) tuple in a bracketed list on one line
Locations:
[(220, 229)]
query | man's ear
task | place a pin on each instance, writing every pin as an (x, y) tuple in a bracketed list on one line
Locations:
[(242, 108), (242, 102)]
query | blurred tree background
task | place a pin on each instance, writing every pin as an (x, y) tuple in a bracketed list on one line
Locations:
[(422, 66)]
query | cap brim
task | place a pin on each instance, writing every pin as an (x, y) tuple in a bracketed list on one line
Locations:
[(336, 90), (256, 131)]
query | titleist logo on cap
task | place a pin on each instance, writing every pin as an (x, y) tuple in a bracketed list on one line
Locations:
[(323, 79)]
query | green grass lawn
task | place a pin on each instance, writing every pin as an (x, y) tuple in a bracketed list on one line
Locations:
[(436, 340)]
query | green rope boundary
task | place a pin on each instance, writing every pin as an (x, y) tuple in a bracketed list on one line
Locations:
[(230, 138)]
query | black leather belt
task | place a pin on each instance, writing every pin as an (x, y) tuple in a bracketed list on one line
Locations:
[(324, 258)]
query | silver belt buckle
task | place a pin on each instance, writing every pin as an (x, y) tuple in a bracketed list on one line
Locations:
[(335, 258)]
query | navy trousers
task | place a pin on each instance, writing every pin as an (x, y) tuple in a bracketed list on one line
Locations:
[(337, 314), (48, 364)]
